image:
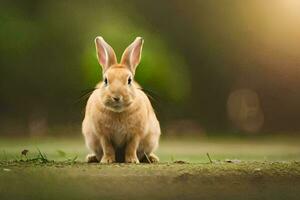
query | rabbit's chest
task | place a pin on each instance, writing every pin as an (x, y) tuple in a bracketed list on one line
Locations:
[(121, 130), (119, 134)]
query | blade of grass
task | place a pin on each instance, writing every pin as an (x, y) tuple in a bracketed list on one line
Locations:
[(209, 158), (73, 160), (147, 158), (5, 155)]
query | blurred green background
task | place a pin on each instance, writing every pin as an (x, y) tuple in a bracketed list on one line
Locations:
[(211, 66)]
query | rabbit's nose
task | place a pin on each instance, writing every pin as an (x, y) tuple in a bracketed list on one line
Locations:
[(116, 99)]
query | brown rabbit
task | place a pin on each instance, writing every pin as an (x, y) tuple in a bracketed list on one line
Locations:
[(120, 123)]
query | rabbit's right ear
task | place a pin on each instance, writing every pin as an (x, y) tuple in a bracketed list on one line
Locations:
[(105, 53), (132, 54)]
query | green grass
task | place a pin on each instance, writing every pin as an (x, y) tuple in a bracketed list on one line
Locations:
[(54, 168)]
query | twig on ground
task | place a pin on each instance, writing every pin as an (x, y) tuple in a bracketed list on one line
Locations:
[(180, 162)]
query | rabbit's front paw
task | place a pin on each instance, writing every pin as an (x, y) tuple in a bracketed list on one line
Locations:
[(91, 158), (153, 158), (132, 159), (108, 159)]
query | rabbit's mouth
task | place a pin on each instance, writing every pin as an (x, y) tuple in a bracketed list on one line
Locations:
[(116, 106)]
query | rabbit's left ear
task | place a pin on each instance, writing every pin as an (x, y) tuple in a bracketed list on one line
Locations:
[(132, 54), (105, 53)]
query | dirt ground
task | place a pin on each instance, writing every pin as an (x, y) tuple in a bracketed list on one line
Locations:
[(239, 169)]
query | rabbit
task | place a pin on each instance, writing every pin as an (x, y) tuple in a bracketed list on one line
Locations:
[(120, 124)]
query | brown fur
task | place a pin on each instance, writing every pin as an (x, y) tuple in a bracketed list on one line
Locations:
[(127, 127)]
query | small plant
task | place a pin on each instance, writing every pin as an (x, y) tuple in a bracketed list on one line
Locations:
[(72, 160), (42, 157)]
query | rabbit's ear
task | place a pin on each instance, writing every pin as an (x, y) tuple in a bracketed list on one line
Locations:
[(132, 54), (105, 53)]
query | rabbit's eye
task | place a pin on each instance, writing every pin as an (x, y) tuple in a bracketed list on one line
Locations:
[(105, 81), (129, 80)]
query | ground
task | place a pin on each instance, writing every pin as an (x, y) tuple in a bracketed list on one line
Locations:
[(218, 168)]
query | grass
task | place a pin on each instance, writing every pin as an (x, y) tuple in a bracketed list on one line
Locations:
[(52, 168)]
